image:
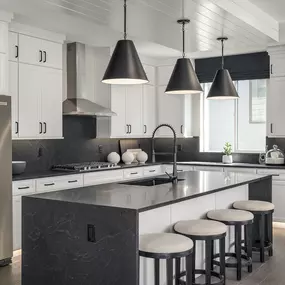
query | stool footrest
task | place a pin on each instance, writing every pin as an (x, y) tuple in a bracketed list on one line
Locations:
[(232, 265), (256, 246), (203, 272)]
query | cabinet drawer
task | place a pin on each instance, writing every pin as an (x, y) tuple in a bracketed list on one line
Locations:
[(240, 170), (208, 168), (278, 174), (59, 183), (103, 177), (152, 170), (133, 173), (24, 187)]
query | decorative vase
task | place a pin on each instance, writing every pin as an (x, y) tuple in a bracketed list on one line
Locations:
[(142, 157), (128, 157), (227, 159), (113, 157)]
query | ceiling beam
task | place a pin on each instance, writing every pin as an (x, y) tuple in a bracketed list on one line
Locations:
[(251, 15)]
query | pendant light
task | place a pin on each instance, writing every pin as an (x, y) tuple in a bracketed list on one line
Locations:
[(222, 86), (183, 79), (125, 66)]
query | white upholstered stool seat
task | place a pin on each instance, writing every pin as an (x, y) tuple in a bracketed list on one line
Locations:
[(254, 205), (164, 243), (200, 228), (230, 215)]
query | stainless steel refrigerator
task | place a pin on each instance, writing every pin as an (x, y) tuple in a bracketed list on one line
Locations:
[(6, 239)]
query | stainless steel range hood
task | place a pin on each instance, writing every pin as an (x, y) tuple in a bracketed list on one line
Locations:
[(82, 79)]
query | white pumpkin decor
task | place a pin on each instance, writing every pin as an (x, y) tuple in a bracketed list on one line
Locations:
[(142, 157), (128, 157), (113, 157)]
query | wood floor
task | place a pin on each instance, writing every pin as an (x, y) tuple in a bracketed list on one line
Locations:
[(270, 273)]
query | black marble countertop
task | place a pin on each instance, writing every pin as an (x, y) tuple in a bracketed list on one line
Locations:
[(142, 198), (51, 173), (242, 165)]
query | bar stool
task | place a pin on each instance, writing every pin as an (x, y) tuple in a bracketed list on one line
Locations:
[(208, 231), (262, 212), (168, 246), (236, 218)]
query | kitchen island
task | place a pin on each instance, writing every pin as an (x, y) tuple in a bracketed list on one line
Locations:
[(90, 235)]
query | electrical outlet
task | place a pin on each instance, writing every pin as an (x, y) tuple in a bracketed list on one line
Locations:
[(100, 149), (179, 147), (91, 233), (40, 152)]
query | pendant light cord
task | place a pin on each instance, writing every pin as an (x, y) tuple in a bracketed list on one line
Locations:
[(223, 62), (125, 19), (183, 40)]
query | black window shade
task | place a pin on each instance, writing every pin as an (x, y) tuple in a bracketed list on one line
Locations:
[(241, 67)]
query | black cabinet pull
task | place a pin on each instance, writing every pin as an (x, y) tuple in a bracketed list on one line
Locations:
[(271, 128), (41, 127), (17, 127), (145, 129), (130, 129), (72, 181), (127, 129), (25, 187), (45, 127), (271, 68), (45, 57), (152, 171), (17, 51), (134, 173), (49, 184), (181, 129), (41, 56)]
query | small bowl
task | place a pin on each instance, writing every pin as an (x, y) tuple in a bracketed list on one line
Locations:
[(18, 167)]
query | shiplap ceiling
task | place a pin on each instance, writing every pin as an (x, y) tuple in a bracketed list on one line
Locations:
[(153, 22)]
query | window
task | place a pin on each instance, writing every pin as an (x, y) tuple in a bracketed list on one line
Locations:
[(240, 122)]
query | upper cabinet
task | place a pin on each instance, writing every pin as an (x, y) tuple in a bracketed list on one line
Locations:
[(31, 50), (35, 84), (277, 65)]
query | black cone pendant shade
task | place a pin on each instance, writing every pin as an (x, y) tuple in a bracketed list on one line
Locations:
[(183, 79), (222, 86), (125, 66)]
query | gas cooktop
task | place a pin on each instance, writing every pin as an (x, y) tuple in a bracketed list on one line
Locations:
[(85, 166)]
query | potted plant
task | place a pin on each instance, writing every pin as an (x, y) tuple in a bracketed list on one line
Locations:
[(227, 157)]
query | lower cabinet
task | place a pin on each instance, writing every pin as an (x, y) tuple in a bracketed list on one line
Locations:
[(278, 198), (17, 222)]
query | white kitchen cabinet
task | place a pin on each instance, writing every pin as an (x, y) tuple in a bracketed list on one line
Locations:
[(180, 168), (134, 110), (40, 102), (164, 73), (208, 168), (24, 187), (17, 222), (277, 67), (13, 92), (153, 170), (133, 173), (240, 170), (103, 177), (40, 52), (275, 111), (51, 102), (4, 80), (278, 198), (149, 110), (13, 46), (59, 183), (170, 111), (4, 31), (118, 105), (29, 101)]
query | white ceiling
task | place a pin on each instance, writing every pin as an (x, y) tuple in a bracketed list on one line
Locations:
[(152, 23), (275, 8)]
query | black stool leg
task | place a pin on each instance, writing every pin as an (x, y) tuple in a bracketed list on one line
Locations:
[(223, 258), (245, 238), (178, 270), (238, 249), (212, 254), (189, 261), (248, 238), (194, 262), (156, 272), (208, 260), (169, 265), (270, 233), (262, 237)]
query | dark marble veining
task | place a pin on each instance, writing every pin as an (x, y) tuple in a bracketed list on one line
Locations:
[(142, 198)]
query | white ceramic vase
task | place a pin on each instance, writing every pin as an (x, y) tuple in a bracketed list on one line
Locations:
[(113, 157), (142, 157), (128, 157), (227, 159)]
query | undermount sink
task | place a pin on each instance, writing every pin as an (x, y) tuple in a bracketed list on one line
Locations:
[(150, 182)]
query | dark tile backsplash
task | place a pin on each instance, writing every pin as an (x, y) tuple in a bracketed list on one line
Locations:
[(278, 141), (79, 145)]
